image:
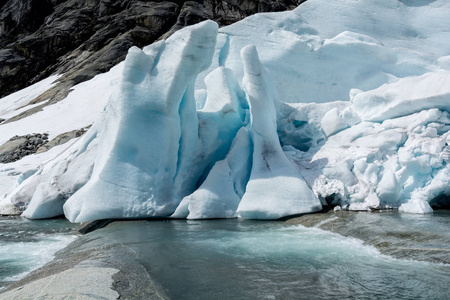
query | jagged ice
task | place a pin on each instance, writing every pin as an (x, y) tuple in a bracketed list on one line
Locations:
[(273, 116)]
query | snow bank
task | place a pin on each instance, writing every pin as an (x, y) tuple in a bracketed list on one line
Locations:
[(362, 45), (17, 102), (406, 96)]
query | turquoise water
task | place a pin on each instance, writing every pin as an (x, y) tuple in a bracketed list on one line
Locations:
[(409, 236), (235, 259), (272, 260), (25, 245)]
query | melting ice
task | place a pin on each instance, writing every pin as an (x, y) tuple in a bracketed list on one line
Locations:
[(273, 116)]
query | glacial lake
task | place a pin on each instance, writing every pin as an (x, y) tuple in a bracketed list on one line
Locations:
[(237, 259)]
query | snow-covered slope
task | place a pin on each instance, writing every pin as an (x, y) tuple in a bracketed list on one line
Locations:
[(344, 103)]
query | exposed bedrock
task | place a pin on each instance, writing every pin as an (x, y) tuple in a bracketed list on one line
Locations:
[(20, 146)]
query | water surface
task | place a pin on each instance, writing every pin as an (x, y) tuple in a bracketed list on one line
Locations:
[(26, 245), (231, 259), (237, 259)]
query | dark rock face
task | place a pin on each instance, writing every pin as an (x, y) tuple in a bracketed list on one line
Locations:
[(82, 38), (20, 146)]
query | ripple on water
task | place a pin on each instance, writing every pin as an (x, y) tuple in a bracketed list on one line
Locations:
[(226, 259), (26, 245)]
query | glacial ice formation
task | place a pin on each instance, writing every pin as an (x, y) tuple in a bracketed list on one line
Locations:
[(135, 176), (150, 148), (396, 163), (276, 188), (276, 115), (222, 191)]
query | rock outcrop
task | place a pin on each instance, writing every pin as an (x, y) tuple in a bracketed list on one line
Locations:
[(20, 146), (61, 139)]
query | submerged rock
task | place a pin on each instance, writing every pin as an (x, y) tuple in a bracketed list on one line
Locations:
[(388, 233)]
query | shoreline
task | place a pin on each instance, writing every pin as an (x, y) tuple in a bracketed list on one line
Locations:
[(80, 272), (111, 270)]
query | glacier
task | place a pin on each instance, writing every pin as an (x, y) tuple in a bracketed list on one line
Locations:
[(277, 115)]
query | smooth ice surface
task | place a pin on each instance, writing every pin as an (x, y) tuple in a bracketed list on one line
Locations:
[(133, 176), (333, 122), (221, 192), (406, 96), (276, 188)]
